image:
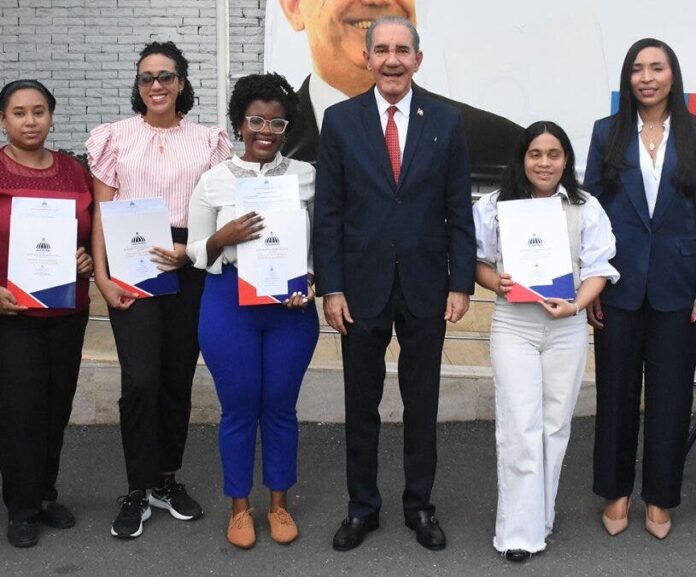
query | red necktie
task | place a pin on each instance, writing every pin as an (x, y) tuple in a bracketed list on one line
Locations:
[(391, 135)]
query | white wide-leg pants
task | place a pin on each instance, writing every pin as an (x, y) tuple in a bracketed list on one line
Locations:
[(538, 364)]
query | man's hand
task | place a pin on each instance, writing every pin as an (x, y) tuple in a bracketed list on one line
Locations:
[(457, 305), (336, 312)]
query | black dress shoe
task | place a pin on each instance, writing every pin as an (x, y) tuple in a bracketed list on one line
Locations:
[(352, 531), (57, 516), (428, 531), (23, 533), (517, 555)]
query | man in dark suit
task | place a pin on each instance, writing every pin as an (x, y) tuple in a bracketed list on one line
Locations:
[(335, 31), (394, 246)]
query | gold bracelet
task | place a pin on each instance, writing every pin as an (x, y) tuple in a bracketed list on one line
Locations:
[(577, 309)]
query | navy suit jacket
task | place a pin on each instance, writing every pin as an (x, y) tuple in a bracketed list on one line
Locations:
[(364, 223), (492, 138), (656, 257)]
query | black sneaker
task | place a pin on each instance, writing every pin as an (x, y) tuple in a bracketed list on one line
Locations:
[(173, 497), (134, 511)]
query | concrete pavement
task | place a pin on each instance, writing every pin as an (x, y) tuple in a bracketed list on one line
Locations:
[(93, 476)]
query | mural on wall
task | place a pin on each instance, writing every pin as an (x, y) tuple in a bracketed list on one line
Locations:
[(505, 62)]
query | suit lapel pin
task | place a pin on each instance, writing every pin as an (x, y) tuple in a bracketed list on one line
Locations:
[(435, 139), (419, 112)]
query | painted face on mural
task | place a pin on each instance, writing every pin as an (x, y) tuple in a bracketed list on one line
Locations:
[(336, 33)]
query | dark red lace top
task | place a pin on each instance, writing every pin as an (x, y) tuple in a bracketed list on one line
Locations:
[(65, 178)]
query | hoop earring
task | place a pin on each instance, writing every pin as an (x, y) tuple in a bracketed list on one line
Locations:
[(4, 130), (52, 129)]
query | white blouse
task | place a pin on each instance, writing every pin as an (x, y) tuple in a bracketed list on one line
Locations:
[(597, 243), (652, 173), (213, 204)]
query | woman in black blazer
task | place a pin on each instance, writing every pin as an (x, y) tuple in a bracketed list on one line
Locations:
[(642, 168)]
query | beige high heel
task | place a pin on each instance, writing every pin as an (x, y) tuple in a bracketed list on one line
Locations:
[(657, 530), (616, 526)]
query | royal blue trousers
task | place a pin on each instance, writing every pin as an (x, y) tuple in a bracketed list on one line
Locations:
[(257, 356)]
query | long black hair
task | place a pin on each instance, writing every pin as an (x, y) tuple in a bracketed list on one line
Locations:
[(185, 100), (514, 183), (11, 87), (681, 122), (267, 87)]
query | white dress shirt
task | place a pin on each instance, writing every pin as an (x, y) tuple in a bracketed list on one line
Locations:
[(401, 116), (597, 242), (652, 172), (213, 204)]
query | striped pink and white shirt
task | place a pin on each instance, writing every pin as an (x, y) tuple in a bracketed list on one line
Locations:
[(143, 161)]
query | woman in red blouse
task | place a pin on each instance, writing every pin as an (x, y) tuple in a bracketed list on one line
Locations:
[(41, 348)]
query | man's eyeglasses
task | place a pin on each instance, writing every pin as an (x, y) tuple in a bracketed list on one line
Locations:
[(257, 124), (165, 78)]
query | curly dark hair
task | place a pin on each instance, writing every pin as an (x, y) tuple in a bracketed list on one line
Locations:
[(11, 87), (184, 102), (514, 183), (266, 87)]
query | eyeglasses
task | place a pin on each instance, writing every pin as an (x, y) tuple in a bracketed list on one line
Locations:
[(257, 124), (165, 78)]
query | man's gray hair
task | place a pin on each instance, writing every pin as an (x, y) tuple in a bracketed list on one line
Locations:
[(393, 20)]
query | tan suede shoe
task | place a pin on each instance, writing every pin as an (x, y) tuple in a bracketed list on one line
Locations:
[(240, 530), (283, 528)]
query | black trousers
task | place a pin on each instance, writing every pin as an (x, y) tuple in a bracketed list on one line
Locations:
[(664, 346), (157, 344), (39, 367), (364, 347)]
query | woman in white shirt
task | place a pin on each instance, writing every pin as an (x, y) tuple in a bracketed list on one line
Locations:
[(538, 350), (257, 354)]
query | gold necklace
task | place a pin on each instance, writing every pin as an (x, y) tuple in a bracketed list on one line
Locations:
[(651, 143), (650, 127)]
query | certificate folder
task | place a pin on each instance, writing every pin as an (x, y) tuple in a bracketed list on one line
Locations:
[(535, 249), (41, 268), (131, 229), (274, 266)]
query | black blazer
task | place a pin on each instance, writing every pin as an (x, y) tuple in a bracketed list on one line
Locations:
[(491, 138), (364, 223)]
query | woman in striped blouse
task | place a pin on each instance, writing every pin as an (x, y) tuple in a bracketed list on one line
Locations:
[(158, 152)]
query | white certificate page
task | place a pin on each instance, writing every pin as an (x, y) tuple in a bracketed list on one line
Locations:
[(267, 193), (42, 253), (131, 229), (43, 207), (534, 241), (42, 246), (269, 262)]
